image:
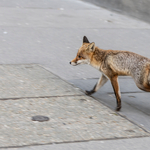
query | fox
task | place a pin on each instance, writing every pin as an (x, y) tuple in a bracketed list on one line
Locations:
[(114, 63)]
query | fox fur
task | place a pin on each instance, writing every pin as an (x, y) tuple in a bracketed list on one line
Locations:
[(114, 63)]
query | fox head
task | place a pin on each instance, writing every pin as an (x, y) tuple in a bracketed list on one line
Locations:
[(84, 53)]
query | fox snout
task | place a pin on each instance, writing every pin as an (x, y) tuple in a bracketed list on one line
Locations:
[(73, 63)]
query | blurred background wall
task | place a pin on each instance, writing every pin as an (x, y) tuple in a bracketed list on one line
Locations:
[(135, 8)]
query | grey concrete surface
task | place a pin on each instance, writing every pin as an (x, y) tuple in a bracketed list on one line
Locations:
[(49, 32), (31, 81), (126, 84), (51, 37), (47, 4), (135, 103), (124, 144), (72, 117), (135, 8)]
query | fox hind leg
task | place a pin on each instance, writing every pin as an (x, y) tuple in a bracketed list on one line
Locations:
[(98, 85), (115, 85)]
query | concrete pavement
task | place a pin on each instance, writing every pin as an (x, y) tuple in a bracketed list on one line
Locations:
[(49, 33), (28, 91), (134, 8), (123, 144)]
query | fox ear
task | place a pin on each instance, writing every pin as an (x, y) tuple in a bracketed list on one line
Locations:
[(85, 40), (91, 47)]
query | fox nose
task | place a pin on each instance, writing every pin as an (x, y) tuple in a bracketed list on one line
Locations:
[(70, 62)]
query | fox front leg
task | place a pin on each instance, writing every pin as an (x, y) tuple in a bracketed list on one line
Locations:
[(115, 85), (98, 85)]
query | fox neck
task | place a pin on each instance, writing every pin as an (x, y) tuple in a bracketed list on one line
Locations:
[(97, 58)]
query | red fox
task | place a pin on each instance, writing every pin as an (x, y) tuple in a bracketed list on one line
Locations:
[(114, 63)]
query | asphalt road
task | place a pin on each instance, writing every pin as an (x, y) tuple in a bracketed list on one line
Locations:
[(49, 33)]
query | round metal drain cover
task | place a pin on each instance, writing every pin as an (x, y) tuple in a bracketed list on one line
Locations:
[(40, 118)]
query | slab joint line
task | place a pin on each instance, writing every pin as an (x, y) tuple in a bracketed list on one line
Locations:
[(76, 141), (17, 98)]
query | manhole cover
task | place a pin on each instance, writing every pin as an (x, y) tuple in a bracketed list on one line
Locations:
[(40, 118)]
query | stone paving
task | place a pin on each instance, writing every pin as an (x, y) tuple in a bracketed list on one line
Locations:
[(18, 81), (135, 102), (29, 90)]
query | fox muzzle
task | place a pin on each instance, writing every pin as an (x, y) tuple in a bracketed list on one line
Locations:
[(73, 63)]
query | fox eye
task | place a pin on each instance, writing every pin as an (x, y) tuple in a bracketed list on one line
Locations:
[(79, 56)]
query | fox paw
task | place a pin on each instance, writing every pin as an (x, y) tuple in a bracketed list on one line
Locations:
[(118, 108), (89, 92)]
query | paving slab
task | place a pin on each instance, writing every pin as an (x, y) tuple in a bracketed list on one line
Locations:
[(138, 100), (17, 81), (135, 103), (78, 118), (72, 117), (123, 144)]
